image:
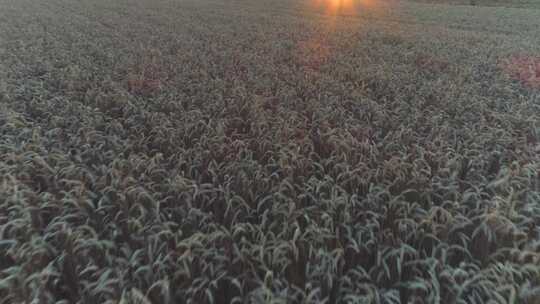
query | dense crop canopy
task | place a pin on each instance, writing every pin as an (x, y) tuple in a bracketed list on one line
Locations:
[(186, 151)]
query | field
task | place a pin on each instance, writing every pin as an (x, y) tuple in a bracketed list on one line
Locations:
[(525, 4), (250, 151)]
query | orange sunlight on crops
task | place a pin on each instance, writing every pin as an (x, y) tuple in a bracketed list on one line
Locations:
[(342, 6), (336, 6)]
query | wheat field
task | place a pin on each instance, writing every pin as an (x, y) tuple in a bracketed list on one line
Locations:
[(236, 151)]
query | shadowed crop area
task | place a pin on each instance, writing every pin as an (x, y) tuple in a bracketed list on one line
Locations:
[(188, 151)]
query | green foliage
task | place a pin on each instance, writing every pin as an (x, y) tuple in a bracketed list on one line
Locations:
[(263, 153)]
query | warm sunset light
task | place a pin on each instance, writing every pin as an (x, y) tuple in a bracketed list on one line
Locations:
[(336, 6), (342, 6)]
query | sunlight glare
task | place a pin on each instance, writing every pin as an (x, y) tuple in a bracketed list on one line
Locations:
[(336, 6), (339, 7)]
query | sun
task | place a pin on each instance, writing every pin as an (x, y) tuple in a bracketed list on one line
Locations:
[(340, 4), (335, 6)]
